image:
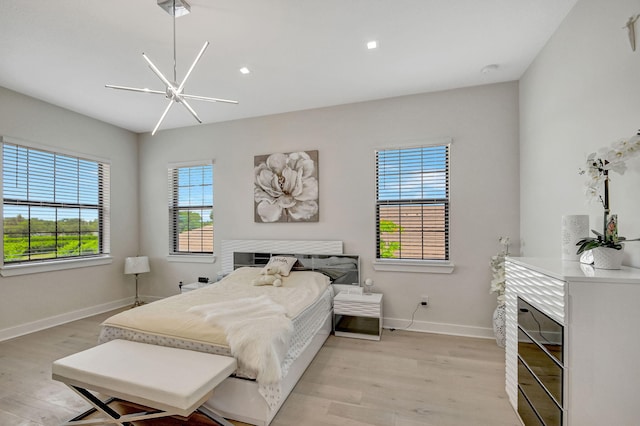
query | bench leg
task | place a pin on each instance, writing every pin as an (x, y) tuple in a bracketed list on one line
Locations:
[(98, 405), (214, 416), (113, 417)]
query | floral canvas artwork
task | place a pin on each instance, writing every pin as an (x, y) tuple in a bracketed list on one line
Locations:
[(286, 187)]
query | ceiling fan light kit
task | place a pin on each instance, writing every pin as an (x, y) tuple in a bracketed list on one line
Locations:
[(174, 91)]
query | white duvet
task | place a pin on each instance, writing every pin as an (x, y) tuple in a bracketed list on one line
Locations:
[(253, 321)]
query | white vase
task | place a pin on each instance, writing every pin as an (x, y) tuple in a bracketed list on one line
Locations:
[(607, 258), (574, 228), (499, 325)]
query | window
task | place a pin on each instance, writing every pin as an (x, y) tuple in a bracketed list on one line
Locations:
[(191, 209), (412, 203), (55, 206)]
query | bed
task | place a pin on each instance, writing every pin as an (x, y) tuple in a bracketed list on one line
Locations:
[(273, 332)]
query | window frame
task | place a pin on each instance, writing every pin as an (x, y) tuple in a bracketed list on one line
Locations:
[(407, 264), (174, 210), (104, 216)]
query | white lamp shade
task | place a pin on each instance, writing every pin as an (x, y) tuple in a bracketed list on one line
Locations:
[(136, 265)]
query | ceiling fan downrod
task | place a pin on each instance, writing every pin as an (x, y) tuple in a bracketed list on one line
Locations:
[(174, 91)]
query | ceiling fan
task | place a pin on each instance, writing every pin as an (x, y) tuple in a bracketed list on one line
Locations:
[(174, 91)]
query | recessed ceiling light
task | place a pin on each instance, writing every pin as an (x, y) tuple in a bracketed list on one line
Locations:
[(245, 70), (372, 45)]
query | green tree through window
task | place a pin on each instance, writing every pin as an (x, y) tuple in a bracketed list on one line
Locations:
[(388, 249), (55, 206), (191, 209)]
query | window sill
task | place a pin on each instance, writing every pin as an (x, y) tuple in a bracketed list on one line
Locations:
[(422, 266), (53, 265), (208, 258)]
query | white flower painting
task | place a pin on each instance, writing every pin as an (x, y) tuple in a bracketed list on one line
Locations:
[(286, 187)]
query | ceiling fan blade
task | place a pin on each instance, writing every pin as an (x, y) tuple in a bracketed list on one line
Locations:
[(184, 80), (162, 117), (157, 72), (207, 99), (173, 92), (135, 89), (191, 110)]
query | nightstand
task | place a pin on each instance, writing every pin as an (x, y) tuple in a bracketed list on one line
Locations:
[(192, 286), (358, 315)]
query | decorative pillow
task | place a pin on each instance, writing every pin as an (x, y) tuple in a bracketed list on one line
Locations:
[(282, 265)]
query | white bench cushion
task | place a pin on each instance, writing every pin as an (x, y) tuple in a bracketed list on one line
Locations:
[(159, 377)]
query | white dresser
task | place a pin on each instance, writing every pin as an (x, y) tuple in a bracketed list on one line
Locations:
[(573, 343)]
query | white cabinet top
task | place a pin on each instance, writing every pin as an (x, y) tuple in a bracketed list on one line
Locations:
[(343, 296), (574, 271)]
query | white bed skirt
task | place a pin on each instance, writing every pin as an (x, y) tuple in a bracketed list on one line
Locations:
[(239, 399)]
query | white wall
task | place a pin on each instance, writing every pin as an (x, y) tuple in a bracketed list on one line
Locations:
[(483, 122), (581, 93), (32, 301)]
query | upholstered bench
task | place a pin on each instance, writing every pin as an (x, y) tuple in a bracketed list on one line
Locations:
[(168, 380)]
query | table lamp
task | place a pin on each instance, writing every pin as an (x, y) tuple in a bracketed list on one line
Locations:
[(136, 265)]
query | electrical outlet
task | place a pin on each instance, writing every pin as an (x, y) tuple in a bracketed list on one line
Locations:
[(424, 301)]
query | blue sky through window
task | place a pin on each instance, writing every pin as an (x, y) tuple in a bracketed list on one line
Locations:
[(195, 186), (412, 173), (45, 177)]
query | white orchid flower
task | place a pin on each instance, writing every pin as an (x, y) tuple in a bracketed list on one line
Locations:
[(612, 158), (622, 145), (616, 166)]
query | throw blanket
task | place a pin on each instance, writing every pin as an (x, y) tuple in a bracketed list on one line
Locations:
[(258, 332)]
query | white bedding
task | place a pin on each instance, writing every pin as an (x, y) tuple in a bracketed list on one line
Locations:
[(257, 331), (305, 326), (182, 318)]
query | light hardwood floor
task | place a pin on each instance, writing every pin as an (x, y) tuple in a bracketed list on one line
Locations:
[(406, 379)]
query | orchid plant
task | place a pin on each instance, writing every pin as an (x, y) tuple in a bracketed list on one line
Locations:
[(612, 158), (498, 282)]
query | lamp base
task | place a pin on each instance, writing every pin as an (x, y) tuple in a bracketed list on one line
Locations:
[(137, 303)]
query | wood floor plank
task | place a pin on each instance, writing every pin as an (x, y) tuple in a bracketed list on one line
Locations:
[(9, 419), (406, 379)]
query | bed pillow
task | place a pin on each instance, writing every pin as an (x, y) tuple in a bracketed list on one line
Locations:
[(282, 264)]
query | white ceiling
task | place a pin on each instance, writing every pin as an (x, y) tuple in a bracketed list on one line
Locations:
[(302, 53)]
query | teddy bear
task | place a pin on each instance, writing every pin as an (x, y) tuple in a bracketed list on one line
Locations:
[(270, 277)]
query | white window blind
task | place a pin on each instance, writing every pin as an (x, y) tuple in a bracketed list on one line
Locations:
[(55, 206), (191, 210), (412, 203)]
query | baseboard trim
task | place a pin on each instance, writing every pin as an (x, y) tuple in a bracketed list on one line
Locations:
[(388, 323), (42, 324), (438, 328)]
